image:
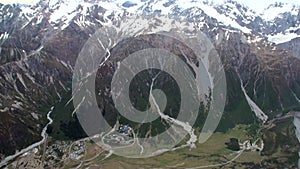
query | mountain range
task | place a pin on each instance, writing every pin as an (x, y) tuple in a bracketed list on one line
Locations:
[(39, 45)]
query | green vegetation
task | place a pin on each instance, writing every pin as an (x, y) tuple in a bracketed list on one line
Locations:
[(213, 151), (64, 126), (233, 144)]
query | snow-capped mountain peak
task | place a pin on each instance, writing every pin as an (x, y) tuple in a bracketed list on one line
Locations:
[(278, 9), (279, 22)]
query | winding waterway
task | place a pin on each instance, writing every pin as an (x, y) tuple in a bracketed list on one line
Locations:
[(44, 136), (297, 131)]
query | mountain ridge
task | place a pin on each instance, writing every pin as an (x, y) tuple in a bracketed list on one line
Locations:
[(39, 47)]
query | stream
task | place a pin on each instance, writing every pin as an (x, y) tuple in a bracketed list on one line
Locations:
[(18, 153), (297, 131), (187, 127)]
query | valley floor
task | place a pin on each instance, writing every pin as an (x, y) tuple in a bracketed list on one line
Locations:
[(211, 154), (278, 148)]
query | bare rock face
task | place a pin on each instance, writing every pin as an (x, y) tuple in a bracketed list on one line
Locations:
[(293, 46)]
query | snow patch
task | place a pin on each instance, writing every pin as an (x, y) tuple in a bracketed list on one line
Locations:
[(21, 80), (17, 105), (294, 94), (212, 12), (63, 9), (282, 37), (4, 36), (276, 10), (35, 116), (258, 112), (4, 110)]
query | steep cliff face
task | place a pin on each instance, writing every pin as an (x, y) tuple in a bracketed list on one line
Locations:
[(39, 46)]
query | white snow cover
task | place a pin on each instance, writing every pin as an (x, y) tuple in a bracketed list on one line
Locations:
[(258, 112), (17, 105), (186, 4), (110, 6), (291, 29), (212, 12), (27, 11), (63, 9), (247, 14), (282, 37), (21, 80), (275, 11), (4, 36)]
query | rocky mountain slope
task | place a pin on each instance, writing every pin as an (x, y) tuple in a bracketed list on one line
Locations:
[(39, 45)]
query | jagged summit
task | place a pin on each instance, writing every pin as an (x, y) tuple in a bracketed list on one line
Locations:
[(278, 23), (39, 45), (278, 10)]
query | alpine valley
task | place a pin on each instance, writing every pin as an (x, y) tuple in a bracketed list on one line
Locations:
[(39, 46)]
